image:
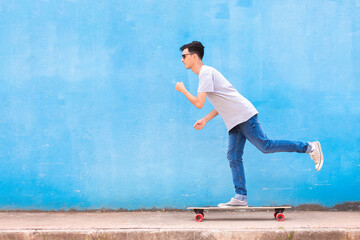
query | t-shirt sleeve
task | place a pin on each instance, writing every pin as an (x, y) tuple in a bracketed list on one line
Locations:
[(206, 81)]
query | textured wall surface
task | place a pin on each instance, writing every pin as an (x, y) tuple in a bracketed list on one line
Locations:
[(89, 115)]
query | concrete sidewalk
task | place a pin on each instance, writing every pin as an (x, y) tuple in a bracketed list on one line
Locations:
[(178, 225)]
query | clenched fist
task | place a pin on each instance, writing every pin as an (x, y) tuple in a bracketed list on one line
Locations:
[(180, 86)]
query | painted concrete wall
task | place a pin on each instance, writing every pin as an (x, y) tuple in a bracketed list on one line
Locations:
[(89, 115)]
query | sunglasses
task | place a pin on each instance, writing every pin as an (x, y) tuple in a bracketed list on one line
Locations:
[(184, 55)]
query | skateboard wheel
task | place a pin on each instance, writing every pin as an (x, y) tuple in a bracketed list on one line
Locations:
[(199, 217), (275, 213), (280, 217)]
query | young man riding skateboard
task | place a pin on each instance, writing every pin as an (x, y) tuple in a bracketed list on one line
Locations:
[(240, 118)]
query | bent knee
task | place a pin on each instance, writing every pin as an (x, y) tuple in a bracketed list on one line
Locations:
[(266, 151), (266, 147)]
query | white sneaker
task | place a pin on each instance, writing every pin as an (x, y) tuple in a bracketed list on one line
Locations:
[(234, 203), (317, 155)]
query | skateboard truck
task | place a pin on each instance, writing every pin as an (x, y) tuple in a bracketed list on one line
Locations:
[(279, 214), (199, 215)]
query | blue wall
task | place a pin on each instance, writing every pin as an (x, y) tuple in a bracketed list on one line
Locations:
[(89, 115)]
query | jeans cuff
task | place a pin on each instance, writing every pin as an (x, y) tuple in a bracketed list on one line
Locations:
[(309, 148)]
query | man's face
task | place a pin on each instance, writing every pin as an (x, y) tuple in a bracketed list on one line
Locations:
[(187, 58)]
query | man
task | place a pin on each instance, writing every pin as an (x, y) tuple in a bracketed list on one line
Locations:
[(240, 118)]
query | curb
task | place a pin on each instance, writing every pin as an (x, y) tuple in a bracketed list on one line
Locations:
[(191, 234)]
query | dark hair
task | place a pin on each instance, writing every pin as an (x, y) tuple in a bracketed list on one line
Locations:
[(194, 47)]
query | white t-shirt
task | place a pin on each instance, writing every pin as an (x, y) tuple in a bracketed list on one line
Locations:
[(228, 102)]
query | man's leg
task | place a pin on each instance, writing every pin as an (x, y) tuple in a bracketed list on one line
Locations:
[(234, 155), (252, 130)]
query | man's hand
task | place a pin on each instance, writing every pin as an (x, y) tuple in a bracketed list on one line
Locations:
[(180, 87), (200, 124)]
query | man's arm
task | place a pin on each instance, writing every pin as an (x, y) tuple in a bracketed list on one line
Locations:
[(200, 124), (211, 115), (197, 101)]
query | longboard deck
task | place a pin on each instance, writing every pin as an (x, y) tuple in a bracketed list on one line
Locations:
[(240, 208), (279, 210)]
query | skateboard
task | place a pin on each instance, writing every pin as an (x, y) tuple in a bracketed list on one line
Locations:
[(279, 211)]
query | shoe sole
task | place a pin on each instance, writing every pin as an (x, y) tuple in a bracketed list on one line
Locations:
[(230, 206), (321, 156)]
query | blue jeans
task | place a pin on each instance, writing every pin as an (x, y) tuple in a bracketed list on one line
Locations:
[(252, 131)]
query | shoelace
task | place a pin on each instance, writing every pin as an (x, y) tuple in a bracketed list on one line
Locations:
[(313, 157)]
